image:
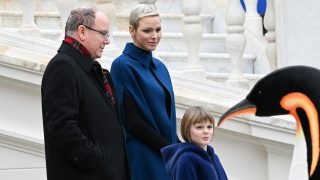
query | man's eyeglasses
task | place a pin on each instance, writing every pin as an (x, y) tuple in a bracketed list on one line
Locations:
[(104, 34)]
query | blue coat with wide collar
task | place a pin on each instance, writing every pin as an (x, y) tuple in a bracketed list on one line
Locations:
[(132, 73)]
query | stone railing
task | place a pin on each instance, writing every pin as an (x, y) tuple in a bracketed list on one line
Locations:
[(269, 22), (236, 19)]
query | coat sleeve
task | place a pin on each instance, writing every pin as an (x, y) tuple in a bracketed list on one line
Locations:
[(139, 128), (61, 98)]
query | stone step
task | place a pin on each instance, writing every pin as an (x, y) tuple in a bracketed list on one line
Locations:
[(175, 42), (211, 62)]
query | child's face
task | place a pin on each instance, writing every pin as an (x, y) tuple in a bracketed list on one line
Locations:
[(201, 134)]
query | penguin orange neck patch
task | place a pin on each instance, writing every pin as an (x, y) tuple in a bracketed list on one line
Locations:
[(295, 100)]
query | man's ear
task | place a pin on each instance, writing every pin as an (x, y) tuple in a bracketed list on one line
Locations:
[(81, 32)]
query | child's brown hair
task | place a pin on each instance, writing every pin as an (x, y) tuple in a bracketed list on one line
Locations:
[(193, 115)]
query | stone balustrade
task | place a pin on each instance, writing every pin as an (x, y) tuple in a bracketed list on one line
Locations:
[(253, 20), (28, 26), (236, 41), (271, 36), (64, 8), (192, 33), (23, 57), (195, 30)]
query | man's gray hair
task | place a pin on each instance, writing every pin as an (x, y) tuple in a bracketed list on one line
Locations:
[(78, 16), (140, 11)]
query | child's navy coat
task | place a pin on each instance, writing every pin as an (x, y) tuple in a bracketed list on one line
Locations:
[(188, 161)]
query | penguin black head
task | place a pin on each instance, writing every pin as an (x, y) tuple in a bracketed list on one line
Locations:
[(291, 90)]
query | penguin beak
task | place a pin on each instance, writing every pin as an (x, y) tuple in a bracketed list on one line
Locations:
[(243, 107)]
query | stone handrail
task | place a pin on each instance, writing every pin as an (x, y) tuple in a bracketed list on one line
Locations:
[(236, 19)]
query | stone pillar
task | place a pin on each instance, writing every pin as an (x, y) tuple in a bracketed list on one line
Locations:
[(65, 7), (28, 26), (236, 42), (111, 51), (269, 24), (253, 21), (278, 160), (151, 2), (108, 7), (192, 34), (299, 164)]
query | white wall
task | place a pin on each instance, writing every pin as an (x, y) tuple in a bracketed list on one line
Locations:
[(20, 107), (17, 165), (298, 27), (21, 139), (241, 158)]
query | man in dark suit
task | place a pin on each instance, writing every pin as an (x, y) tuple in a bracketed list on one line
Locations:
[(84, 138)]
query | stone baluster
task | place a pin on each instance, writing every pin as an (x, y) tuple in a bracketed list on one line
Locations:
[(151, 2), (64, 7), (108, 7), (1, 24), (192, 33), (269, 24), (253, 21), (111, 50), (28, 26), (235, 42)]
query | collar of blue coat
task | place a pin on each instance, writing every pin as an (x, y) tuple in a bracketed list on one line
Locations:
[(142, 56)]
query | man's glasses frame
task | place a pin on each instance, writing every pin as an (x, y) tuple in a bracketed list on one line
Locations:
[(103, 34)]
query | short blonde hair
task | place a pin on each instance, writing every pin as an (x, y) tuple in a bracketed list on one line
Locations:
[(140, 11), (192, 116)]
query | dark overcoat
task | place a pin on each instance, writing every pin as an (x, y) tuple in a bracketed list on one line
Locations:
[(84, 138), (137, 73)]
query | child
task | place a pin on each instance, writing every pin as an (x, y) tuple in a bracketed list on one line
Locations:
[(195, 159)]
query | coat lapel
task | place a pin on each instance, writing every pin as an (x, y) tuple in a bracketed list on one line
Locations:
[(88, 65), (163, 80)]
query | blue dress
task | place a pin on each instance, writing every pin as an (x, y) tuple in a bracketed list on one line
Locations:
[(187, 161), (147, 81)]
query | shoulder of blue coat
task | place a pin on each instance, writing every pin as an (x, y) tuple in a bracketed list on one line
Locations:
[(125, 60), (158, 62), (160, 65), (120, 70)]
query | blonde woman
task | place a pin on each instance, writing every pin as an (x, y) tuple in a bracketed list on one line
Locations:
[(195, 159), (145, 93)]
